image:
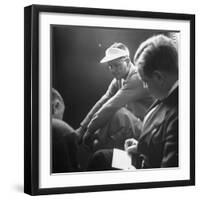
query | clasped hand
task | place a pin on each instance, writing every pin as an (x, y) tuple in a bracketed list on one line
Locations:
[(131, 145)]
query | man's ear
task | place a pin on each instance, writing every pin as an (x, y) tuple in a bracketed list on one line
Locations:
[(56, 105), (159, 77), (128, 60)]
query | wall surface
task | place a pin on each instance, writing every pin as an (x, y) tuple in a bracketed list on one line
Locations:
[(11, 101)]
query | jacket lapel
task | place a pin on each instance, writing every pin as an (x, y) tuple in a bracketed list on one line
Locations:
[(158, 115)]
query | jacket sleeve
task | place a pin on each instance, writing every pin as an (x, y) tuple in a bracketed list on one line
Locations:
[(131, 91), (170, 150), (112, 89)]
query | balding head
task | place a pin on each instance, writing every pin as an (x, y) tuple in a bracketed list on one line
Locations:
[(58, 106)]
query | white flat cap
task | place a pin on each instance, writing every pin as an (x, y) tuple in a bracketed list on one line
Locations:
[(113, 53)]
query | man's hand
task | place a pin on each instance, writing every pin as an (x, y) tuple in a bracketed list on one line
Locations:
[(130, 146), (88, 139), (79, 133)]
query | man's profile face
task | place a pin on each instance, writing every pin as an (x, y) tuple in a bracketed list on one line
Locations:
[(119, 68), (153, 83)]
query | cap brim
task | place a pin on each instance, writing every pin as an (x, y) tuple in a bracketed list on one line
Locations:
[(109, 58)]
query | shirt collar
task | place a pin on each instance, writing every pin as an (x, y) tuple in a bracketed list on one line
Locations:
[(132, 70), (174, 86)]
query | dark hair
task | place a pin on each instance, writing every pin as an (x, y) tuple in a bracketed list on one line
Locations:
[(157, 53)]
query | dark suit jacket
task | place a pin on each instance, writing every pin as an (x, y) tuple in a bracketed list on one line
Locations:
[(158, 144), (64, 147)]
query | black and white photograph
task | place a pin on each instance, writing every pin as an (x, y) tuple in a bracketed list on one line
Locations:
[(109, 95), (100, 100), (114, 99)]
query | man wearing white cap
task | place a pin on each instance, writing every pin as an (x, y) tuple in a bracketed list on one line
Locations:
[(157, 147), (118, 114)]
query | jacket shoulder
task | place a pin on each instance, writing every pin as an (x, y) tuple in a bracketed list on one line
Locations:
[(61, 126)]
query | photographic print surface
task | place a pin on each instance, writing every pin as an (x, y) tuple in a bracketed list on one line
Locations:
[(82, 82)]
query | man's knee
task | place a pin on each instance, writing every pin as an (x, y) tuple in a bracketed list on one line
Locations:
[(125, 118), (101, 160), (121, 112)]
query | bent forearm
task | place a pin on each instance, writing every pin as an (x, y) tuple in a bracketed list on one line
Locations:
[(94, 109), (101, 118)]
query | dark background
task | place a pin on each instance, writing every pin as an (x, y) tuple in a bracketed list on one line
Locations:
[(76, 71)]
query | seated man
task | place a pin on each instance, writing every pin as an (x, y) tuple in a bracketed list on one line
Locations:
[(157, 63), (118, 114), (64, 141)]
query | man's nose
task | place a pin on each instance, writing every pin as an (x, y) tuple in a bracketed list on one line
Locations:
[(113, 68), (145, 85)]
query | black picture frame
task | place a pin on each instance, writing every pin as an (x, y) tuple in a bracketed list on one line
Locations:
[(31, 98)]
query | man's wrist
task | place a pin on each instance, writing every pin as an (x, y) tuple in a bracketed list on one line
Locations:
[(83, 127)]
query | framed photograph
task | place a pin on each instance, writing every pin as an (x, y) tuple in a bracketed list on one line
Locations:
[(109, 99)]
